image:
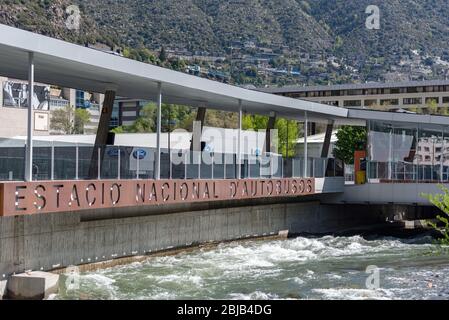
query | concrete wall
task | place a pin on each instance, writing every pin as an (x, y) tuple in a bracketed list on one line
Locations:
[(45, 242), (13, 122)]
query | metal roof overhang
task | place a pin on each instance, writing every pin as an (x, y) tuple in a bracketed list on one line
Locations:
[(68, 65), (356, 115)]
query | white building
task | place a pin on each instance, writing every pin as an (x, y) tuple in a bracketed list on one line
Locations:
[(315, 145)]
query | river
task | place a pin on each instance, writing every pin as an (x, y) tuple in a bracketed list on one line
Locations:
[(301, 268)]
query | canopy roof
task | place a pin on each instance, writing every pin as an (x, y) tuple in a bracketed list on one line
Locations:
[(69, 65)]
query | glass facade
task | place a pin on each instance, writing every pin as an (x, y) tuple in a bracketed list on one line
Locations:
[(403, 152), (80, 99)]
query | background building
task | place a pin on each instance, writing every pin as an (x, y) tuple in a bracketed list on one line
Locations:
[(416, 96), (126, 111), (13, 108), (14, 103)]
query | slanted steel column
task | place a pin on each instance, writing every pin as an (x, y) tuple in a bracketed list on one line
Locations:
[(239, 143), (327, 139), (157, 169), (201, 118), (29, 145), (101, 138), (312, 128), (270, 126), (306, 130)]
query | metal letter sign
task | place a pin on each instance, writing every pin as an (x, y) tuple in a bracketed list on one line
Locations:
[(17, 198)]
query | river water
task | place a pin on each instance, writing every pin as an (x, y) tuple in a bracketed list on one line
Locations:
[(301, 268)]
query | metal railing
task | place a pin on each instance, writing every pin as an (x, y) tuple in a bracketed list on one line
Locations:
[(80, 162), (407, 172)]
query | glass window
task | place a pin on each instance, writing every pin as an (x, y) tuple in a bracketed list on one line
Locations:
[(430, 139), (352, 103), (355, 92), (370, 102), (432, 100), (395, 91), (410, 101), (389, 102)]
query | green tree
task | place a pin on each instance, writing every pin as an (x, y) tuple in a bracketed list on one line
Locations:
[(118, 130), (163, 55), (288, 134), (432, 107), (61, 120), (254, 122), (350, 139), (82, 117), (441, 201), (288, 131), (69, 120), (146, 122), (173, 117)]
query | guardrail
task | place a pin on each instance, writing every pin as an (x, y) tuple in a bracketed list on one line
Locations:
[(62, 162), (401, 171)]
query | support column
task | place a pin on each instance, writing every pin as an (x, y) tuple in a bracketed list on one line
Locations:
[(157, 169), (101, 138), (195, 144), (239, 143), (29, 144), (327, 139), (306, 130), (270, 126), (390, 155)]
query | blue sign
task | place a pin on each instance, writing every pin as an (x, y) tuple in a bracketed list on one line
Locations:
[(114, 152), (139, 154)]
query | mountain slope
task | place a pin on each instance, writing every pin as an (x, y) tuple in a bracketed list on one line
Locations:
[(328, 28), (405, 25)]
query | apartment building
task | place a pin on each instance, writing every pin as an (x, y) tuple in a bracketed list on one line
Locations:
[(386, 96), (14, 104), (126, 111)]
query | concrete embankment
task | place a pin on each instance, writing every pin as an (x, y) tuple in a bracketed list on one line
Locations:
[(54, 241)]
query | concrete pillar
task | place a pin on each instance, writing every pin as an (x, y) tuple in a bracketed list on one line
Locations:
[(306, 130), (29, 145), (2, 80), (327, 140), (70, 94), (157, 169), (101, 138), (32, 285), (270, 126)]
